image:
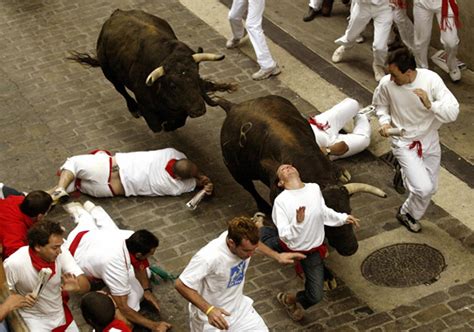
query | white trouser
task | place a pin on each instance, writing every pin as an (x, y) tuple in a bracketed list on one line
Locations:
[(420, 175), (93, 170), (361, 14), (46, 324), (98, 218), (423, 12), (404, 25), (253, 23), (316, 4), (247, 319), (337, 117)]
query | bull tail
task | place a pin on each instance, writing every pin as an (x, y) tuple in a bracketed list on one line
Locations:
[(84, 59), (223, 103)]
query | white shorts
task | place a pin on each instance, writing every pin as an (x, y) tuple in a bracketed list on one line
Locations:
[(92, 173)]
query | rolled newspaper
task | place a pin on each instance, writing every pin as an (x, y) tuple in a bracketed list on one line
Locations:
[(43, 277), (193, 203), (396, 131)]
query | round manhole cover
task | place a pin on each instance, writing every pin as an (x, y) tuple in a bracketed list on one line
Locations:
[(403, 265)]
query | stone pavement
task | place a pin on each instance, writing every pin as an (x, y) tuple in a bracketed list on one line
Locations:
[(51, 108)]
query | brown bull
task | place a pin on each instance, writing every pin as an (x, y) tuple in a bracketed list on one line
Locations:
[(141, 52), (260, 134)]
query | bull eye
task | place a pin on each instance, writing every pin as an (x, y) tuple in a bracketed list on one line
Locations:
[(183, 73)]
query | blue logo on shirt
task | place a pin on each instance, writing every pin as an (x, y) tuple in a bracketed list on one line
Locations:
[(236, 274)]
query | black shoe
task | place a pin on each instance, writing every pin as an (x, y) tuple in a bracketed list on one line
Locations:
[(408, 221), (326, 9), (311, 14)]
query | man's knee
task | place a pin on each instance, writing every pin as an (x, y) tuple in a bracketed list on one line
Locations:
[(424, 190)]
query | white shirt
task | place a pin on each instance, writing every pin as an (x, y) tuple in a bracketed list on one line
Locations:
[(310, 233), (218, 276), (144, 173), (400, 107), (103, 254), (48, 312)]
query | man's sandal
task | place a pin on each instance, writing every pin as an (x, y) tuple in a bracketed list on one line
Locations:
[(295, 311)]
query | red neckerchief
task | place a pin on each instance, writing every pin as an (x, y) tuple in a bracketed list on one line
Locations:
[(322, 250), (119, 325), (444, 14), (139, 264), (39, 263), (418, 146), (320, 126), (76, 241), (67, 314), (169, 168)]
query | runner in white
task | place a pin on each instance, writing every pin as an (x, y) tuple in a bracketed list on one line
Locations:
[(214, 279), (418, 101)]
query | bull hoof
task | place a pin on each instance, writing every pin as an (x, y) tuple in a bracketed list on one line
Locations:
[(136, 115), (345, 176)]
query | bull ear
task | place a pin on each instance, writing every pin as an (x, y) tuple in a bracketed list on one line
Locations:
[(198, 57), (154, 75)]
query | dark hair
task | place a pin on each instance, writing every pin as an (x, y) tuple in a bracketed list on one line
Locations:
[(403, 59), (35, 203), (39, 233), (97, 309), (243, 228), (185, 169), (142, 241)]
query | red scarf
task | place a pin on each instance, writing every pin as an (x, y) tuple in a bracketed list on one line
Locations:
[(76, 241), (322, 250), (67, 314), (169, 168), (119, 325), (39, 263), (320, 126), (418, 146), (139, 264), (444, 14)]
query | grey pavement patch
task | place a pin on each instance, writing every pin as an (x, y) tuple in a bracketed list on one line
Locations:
[(458, 270)]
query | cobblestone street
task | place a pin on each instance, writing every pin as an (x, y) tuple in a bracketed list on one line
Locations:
[(52, 108)]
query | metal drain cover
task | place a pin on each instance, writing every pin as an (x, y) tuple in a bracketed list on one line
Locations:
[(403, 265)]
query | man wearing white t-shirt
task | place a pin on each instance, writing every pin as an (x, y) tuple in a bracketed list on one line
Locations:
[(146, 173), (213, 281), (417, 101), (22, 268), (300, 213), (118, 258)]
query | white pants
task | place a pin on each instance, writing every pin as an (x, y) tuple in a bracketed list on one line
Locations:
[(420, 175), (423, 12), (93, 170), (253, 23), (316, 4), (361, 14), (99, 219), (404, 25), (43, 324), (247, 320), (338, 116)]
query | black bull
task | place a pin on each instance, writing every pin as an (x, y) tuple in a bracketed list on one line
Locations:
[(141, 52), (261, 134)]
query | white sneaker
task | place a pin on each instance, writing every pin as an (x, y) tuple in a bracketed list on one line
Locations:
[(88, 206), (266, 73), (338, 54), (360, 39), (379, 72), (232, 43), (368, 111), (455, 75), (75, 209)]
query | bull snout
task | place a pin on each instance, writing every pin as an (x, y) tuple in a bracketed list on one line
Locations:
[(197, 110)]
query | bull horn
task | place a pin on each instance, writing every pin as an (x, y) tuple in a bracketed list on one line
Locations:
[(154, 75), (198, 57), (353, 188)]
